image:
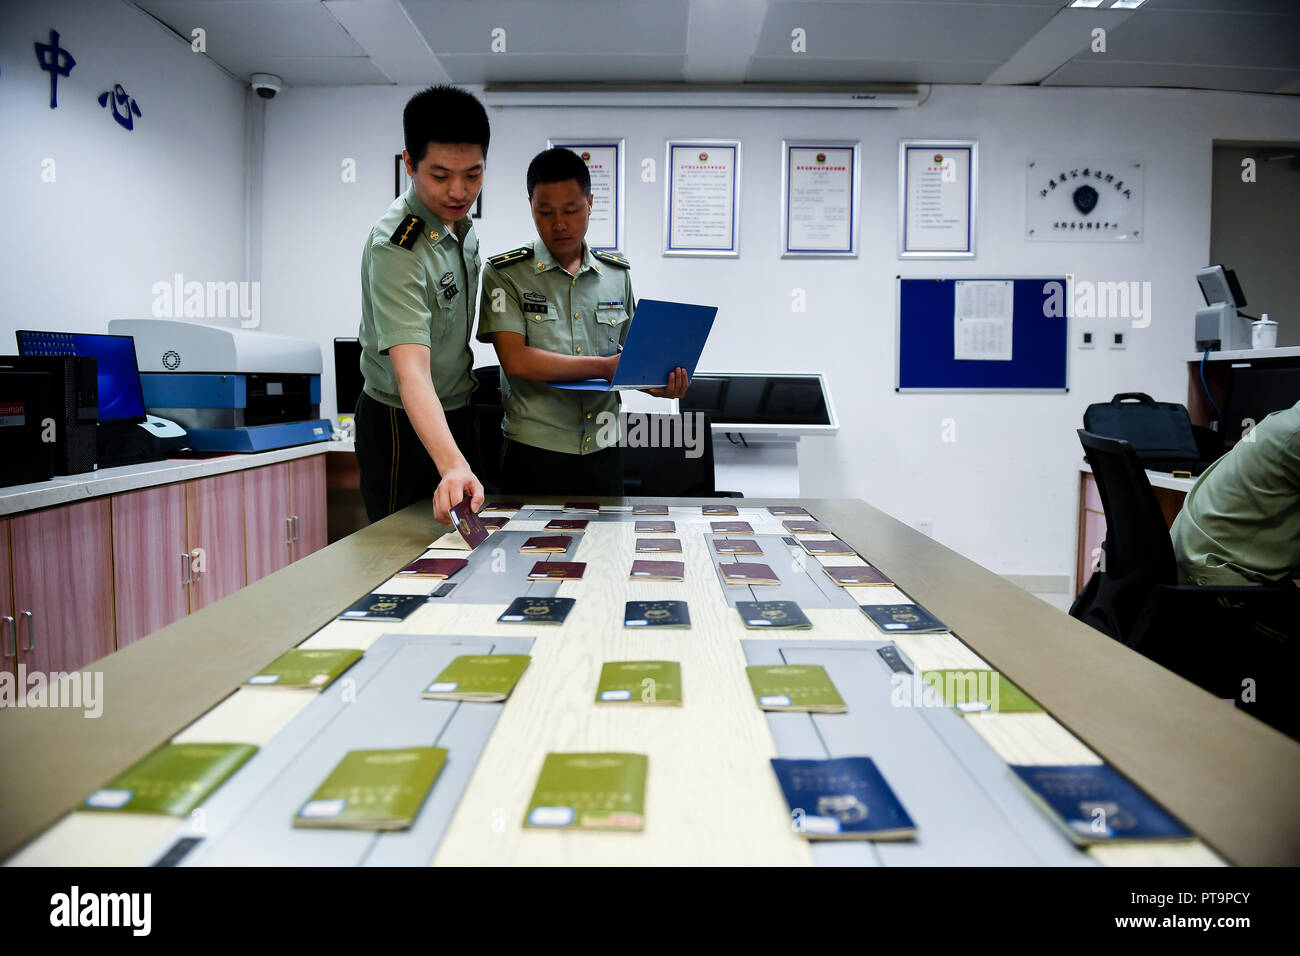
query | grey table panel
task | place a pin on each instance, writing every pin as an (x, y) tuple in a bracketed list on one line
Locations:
[(968, 809), (249, 820), (802, 579), (498, 572)]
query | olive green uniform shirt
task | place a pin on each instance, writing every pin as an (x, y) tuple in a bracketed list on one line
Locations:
[(526, 291), (1240, 523), (418, 284)]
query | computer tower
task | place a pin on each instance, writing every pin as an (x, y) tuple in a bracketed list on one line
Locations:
[(74, 406), (24, 410)]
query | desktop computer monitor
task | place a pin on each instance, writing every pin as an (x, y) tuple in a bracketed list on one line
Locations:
[(120, 395), (347, 375)]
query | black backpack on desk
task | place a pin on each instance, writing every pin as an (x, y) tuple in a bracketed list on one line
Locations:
[(1160, 432)]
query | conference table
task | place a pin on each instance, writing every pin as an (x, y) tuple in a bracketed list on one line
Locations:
[(711, 795)]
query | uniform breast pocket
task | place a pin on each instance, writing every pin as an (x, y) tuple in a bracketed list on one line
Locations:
[(611, 323)]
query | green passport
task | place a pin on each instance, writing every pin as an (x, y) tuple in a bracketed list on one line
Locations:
[(479, 677), (980, 691), (172, 780), (589, 791), (640, 682), (302, 668), (374, 789), (798, 687)]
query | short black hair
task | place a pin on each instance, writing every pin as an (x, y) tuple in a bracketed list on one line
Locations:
[(557, 165), (443, 114)]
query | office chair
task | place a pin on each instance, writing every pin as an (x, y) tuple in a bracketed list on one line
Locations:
[(668, 471), (1216, 637)]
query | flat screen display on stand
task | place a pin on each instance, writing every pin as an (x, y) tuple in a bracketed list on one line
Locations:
[(118, 374)]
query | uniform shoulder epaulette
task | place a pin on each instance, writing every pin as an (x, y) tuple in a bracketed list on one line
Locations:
[(407, 232), (514, 255), (611, 257)]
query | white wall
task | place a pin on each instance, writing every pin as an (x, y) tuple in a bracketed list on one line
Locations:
[(126, 209), (1004, 492)]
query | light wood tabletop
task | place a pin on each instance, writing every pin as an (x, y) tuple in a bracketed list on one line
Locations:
[(711, 797)]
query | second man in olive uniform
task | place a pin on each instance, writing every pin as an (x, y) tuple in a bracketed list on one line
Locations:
[(558, 311)]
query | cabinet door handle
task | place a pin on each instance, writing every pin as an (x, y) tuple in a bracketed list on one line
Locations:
[(13, 635), (31, 628), (288, 529), (295, 527), (185, 569)]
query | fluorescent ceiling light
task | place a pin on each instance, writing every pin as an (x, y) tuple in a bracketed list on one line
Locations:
[(1127, 4), (1090, 4)]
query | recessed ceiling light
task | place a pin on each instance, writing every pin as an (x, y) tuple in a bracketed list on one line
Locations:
[(1127, 4), (1086, 3)]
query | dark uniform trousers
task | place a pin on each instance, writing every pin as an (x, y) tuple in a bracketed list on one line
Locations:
[(396, 470), (529, 470)]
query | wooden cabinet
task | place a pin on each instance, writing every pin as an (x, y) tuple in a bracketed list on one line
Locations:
[(268, 524), (79, 581), (8, 623), (307, 503), (62, 565), (151, 562), (215, 520)]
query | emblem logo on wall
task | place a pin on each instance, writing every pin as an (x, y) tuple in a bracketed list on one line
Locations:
[(704, 157)]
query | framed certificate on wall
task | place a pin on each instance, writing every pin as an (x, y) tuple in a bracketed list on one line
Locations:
[(937, 198), (604, 159), (819, 199), (702, 198)]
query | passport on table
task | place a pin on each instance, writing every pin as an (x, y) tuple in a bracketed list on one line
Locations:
[(640, 682), (805, 527), (303, 668), (978, 691), (740, 572), (842, 798), (783, 510), (552, 544), (374, 789), (659, 544), (904, 618), (389, 608), (440, 568), (589, 791), (557, 571), (469, 524), (795, 687), (172, 780), (719, 510), (855, 576), (537, 610), (655, 527), (817, 546), (567, 524), (773, 615), (731, 527), (497, 507), (736, 546), (1092, 803), (485, 678), (649, 509), (582, 507), (494, 523), (673, 614), (643, 570)]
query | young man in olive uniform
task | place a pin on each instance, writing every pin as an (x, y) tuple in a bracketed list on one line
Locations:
[(415, 432), (557, 311)]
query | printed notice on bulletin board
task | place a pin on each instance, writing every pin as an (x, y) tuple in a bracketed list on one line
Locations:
[(983, 320)]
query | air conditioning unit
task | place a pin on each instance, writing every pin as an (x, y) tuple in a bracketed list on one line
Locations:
[(745, 96)]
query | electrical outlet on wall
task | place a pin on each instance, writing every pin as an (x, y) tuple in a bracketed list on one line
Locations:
[(1087, 339), (1117, 340)]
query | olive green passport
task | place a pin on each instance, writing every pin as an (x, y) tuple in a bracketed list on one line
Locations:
[(799, 687), (478, 677), (640, 682), (970, 691), (589, 791), (374, 789), (302, 668), (172, 780)]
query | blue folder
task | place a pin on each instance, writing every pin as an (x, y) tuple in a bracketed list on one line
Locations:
[(663, 336)]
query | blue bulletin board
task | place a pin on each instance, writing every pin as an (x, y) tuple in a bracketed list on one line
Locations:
[(1023, 347)]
